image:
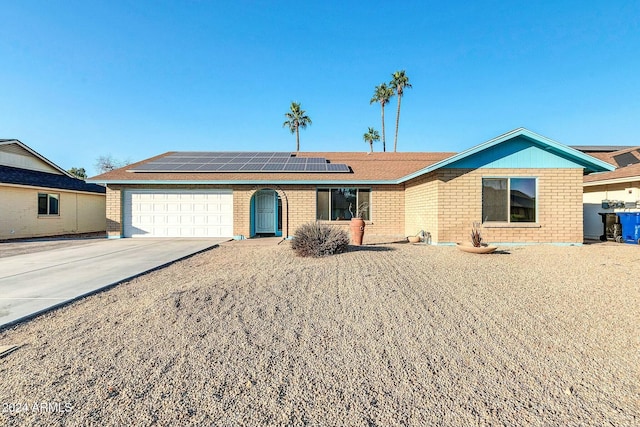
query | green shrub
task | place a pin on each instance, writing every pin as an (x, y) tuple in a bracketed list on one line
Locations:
[(317, 240)]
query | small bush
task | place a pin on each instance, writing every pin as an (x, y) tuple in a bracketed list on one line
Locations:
[(317, 240)]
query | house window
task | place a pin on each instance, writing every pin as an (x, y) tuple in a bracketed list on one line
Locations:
[(48, 204), (338, 204), (509, 199)]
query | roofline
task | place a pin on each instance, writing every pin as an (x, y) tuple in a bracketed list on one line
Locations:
[(242, 182), (611, 181), (504, 137), (44, 187), (39, 156)]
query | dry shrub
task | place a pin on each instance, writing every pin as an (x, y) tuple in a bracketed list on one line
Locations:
[(317, 240)]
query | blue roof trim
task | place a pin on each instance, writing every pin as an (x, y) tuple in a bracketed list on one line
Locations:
[(588, 162)]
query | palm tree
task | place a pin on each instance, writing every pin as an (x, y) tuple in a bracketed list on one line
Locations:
[(382, 94), (398, 82), (296, 119), (370, 136)]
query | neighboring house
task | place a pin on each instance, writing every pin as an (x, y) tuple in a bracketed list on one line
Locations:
[(38, 198), (611, 192), (524, 187)]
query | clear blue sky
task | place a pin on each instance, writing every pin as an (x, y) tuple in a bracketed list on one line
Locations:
[(134, 79)]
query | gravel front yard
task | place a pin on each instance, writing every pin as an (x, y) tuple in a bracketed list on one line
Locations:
[(382, 335)]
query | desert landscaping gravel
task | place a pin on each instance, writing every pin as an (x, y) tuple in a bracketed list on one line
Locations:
[(383, 335)]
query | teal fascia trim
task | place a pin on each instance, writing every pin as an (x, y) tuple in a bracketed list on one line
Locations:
[(591, 164), (115, 237), (520, 152)]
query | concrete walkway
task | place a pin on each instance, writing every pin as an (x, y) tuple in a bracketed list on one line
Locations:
[(36, 282)]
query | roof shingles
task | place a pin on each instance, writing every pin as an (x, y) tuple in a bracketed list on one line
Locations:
[(13, 175), (623, 171), (364, 167)]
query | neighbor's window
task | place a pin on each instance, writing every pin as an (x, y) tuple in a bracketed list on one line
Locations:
[(509, 199), (337, 204), (48, 204)]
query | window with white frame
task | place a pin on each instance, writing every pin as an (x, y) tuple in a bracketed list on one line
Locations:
[(48, 204), (509, 199), (338, 204)]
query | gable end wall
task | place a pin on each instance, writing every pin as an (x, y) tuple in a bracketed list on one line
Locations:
[(559, 206)]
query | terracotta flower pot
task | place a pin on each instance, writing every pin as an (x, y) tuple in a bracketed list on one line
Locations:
[(468, 247), (357, 230)]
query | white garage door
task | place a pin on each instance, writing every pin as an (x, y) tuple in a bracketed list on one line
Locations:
[(179, 213)]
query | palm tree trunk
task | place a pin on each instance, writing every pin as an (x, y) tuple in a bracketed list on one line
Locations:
[(384, 142), (371, 145), (395, 141), (297, 139)]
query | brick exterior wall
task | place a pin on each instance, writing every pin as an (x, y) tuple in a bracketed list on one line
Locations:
[(559, 209), (421, 206), (298, 207), (114, 211), (445, 203)]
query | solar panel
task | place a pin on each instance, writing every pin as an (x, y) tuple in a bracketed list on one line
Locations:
[(250, 167), (316, 167), (337, 167), (297, 160), (192, 159), (626, 159), (273, 167), (184, 167), (316, 160), (297, 167), (229, 167), (209, 167)]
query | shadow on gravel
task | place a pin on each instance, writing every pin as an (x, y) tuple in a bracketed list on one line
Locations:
[(500, 252)]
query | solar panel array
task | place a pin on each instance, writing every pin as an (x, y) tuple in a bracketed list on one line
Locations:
[(233, 161)]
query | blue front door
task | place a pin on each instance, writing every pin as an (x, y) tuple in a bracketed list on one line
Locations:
[(265, 210)]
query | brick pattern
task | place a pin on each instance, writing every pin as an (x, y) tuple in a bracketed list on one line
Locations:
[(559, 206), (114, 211), (421, 206)]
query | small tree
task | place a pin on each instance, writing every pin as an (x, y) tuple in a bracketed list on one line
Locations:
[(79, 173), (370, 136), (108, 163)]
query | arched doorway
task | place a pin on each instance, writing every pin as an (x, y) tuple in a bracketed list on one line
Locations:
[(266, 213)]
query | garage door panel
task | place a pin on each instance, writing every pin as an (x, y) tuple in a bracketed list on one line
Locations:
[(178, 213)]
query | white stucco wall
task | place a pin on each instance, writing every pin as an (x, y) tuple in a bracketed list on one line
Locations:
[(592, 204)]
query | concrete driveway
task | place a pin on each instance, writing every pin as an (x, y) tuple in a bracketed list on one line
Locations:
[(35, 282)]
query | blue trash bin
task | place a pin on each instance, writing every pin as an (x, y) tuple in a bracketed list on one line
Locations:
[(630, 226)]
